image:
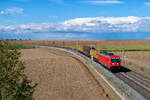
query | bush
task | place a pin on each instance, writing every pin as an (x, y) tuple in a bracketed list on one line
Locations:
[(14, 84), (142, 69)]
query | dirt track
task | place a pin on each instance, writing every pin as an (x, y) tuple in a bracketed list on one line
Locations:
[(60, 76)]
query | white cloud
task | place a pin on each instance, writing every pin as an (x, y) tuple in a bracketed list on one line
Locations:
[(110, 20), (3, 13), (108, 24), (147, 3), (67, 36), (79, 27), (106, 2), (13, 10)]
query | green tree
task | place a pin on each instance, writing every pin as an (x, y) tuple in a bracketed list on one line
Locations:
[(14, 84)]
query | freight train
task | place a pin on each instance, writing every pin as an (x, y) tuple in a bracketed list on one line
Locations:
[(109, 60)]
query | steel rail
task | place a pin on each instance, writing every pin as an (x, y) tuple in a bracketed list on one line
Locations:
[(135, 84), (141, 79)]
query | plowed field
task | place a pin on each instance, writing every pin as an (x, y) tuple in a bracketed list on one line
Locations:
[(60, 76)]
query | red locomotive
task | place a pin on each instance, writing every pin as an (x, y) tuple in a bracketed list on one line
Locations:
[(109, 60)]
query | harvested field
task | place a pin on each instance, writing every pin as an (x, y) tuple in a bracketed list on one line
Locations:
[(60, 76), (137, 60), (110, 45), (82, 42)]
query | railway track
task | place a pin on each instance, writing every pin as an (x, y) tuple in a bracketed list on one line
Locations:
[(142, 79), (137, 81), (138, 84)]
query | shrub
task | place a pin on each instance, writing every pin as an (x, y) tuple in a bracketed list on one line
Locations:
[(14, 84), (142, 69)]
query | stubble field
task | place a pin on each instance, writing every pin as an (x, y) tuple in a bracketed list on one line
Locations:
[(60, 76)]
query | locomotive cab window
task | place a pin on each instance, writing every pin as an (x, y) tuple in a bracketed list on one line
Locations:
[(115, 59)]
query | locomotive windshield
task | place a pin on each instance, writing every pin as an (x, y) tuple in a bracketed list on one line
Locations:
[(115, 59)]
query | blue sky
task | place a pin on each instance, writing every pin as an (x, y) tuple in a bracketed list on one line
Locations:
[(75, 19)]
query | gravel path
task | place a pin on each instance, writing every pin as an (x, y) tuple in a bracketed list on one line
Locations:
[(60, 76)]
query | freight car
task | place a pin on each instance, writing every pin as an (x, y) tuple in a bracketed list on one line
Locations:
[(86, 50), (109, 60)]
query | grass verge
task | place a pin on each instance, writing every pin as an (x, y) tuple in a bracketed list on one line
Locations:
[(19, 46), (116, 48), (124, 47)]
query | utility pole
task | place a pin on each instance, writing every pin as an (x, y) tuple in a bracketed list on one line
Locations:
[(123, 55), (78, 44), (62, 43)]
